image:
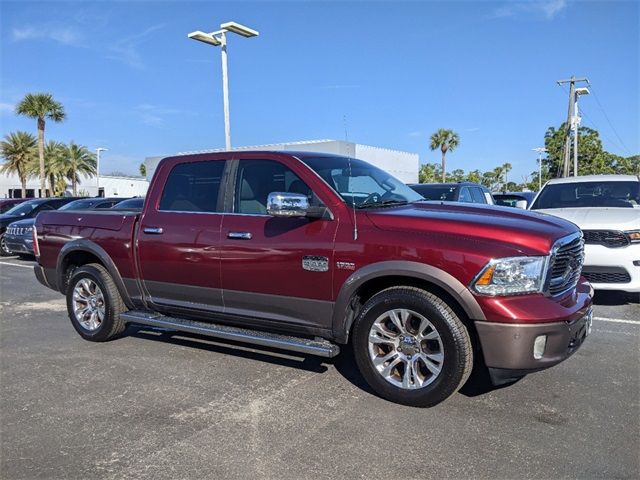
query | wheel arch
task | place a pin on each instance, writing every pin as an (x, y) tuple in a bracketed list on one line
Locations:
[(373, 278), (82, 252)]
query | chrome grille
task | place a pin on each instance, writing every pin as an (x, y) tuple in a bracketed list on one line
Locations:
[(608, 238), (18, 230), (565, 266)]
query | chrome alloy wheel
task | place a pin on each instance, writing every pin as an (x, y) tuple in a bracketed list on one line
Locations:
[(88, 304), (406, 349)]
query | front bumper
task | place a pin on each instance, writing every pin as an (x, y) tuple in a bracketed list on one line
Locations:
[(510, 347), (601, 258), (19, 244)]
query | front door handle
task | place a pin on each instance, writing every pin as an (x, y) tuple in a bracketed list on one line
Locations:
[(153, 230), (239, 235)]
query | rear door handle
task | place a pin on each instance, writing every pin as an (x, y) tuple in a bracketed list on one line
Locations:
[(153, 230), (239, 235)]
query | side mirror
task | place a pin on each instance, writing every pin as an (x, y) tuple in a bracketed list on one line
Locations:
[(521, 204), (285, 204)]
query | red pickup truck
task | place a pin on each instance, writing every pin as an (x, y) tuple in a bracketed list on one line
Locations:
[(311, 252)]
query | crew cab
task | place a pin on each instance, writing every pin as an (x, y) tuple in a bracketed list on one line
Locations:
[(311, 252)]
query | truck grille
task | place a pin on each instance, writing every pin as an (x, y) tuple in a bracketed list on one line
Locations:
[(566, 265), (608, 238), (606, 275)]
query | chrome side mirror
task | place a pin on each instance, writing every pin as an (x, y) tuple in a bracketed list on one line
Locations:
[(285, 204)]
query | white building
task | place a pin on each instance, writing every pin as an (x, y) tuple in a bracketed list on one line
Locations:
[(110, 186), (403, 165)]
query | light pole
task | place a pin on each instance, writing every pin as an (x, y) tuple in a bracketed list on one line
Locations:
[(575, 121), (540, 151), (219, 39), (98, 150)]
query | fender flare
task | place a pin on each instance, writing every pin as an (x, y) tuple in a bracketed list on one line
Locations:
[(341, 322), (84, 245)]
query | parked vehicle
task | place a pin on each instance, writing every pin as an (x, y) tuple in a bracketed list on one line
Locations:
[(27, 209), (19, 235), (132, 204), (514, 199), (8, 203), (466, 192), (607, 209), (313, 252)]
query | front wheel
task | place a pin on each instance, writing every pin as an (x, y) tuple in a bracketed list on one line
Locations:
[(94, 303), (411, 347), (4, 249)]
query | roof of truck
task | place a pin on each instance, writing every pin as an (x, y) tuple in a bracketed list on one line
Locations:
[(596, 178)]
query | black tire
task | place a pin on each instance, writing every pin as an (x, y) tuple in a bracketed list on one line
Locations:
[(456, 345), (112, 324), (4, 251)]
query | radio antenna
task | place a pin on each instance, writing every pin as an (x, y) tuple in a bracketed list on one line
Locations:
[(353, 198)]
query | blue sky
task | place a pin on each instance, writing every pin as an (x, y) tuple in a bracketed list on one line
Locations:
[(131, 81)]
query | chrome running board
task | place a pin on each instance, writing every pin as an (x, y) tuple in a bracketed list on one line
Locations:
[(320, 347)]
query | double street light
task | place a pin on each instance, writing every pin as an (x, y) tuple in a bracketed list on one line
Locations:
[(219, 39)]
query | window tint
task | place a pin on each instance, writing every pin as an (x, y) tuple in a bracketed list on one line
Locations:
[(465, 195), (256, 179), (105, 205), (589, 194), (477, 195), (436, 192), (193, 187)]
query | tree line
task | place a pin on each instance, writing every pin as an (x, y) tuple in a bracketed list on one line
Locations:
[(54, 163), (592, 160)]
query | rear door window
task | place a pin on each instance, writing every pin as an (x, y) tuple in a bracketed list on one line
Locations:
[(465, 195), (478, 196), (193, 187)]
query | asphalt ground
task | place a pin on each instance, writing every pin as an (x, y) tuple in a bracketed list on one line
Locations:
[(157, 404)]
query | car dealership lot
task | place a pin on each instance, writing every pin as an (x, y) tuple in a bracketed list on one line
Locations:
[(155, 404)]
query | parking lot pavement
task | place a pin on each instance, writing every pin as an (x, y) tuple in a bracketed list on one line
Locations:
[(157, 404)]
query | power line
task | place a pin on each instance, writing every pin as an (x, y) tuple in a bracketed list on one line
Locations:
[(609, 121)]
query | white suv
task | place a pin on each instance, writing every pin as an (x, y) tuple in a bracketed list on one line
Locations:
[(607, 209)]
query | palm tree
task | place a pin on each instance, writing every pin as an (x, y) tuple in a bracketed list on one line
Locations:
[(19, 151), (446, 140), (79, 160), (43, 107), (55, 164)]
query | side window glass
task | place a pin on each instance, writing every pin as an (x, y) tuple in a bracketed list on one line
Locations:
[(256, 179), (193, 187), (465, 195), (478, 195)]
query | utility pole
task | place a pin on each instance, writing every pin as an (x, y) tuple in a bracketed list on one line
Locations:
[(572, 124)]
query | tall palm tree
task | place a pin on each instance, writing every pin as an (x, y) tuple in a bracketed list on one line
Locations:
[(79, 160), (42, 107), (446, 140), (19, 151)]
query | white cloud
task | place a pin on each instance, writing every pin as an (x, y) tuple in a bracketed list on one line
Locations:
[(549, 9), (6, 108), (154, 115), (126, 51), (63, 35), (417, 133), (472, 129)]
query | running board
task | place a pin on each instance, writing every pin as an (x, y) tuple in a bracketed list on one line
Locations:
[(320, 347)]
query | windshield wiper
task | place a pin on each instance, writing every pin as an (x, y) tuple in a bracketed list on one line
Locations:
[(384, 203)]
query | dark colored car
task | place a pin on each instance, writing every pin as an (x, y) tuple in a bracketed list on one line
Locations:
[(19, 235), (514, 199), (9, 203), (311, 252), (132, 204), (28, 209), (466, 192)]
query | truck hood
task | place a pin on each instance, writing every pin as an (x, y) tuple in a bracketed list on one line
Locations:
[(599, 218), (529, 232)]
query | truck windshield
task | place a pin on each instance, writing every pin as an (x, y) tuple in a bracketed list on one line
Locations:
[(589, 194), (359, 183)]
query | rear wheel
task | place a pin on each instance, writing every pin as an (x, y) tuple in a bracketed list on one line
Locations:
[(94, 303), (411, 347)]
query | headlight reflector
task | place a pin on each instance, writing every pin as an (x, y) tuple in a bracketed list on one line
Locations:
[(512, 276), (633, 236)]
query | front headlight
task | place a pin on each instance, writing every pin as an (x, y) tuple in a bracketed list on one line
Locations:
[(633, 236), (511, 276)]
